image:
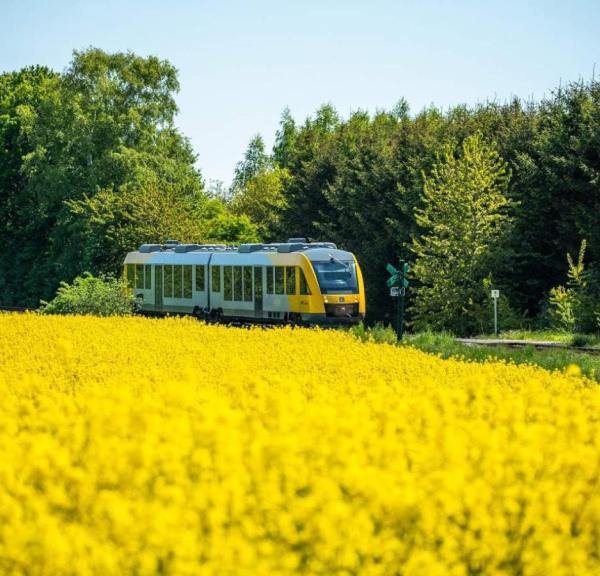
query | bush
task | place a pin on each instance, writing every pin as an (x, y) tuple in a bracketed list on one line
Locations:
[(378, 333), (89, 295), (574, 308), (582, 340)]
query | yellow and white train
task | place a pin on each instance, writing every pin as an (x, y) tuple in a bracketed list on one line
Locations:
[(293, 282)]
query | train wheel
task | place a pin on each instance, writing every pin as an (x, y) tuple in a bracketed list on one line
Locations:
[(295, 319), (214, 316)]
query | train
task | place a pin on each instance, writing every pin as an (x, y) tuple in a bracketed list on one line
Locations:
[(295, 282)]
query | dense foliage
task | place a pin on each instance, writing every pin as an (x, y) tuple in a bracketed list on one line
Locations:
[(138, 446), (463, 221), (361, 183), (91, 165), (105, 296)]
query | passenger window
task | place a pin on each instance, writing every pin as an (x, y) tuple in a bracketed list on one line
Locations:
[(148, 274), (187, 281), (199, 278), (269, 279), (139, 276), (177, 281), (290, 280), (168, 281), (216, 278), (247, 283), (279, 280), (228, 282), (237, 282), (130, 275), (304, 289)]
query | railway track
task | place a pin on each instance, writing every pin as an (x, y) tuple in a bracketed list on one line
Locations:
[(537, 344), (16, 309)]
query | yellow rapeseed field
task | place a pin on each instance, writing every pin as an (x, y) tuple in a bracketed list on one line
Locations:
[(139, 446)]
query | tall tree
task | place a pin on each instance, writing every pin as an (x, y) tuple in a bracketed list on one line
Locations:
[(255, 161), (463, 218), (80, 149), (285, 139), (263, 201)]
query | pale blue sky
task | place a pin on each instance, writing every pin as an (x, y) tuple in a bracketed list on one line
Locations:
[(240, 63)]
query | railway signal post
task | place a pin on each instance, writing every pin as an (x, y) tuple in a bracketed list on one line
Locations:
[(398, 283)]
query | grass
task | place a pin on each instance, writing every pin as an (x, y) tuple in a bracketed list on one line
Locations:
[(444, 345), (548, 336)]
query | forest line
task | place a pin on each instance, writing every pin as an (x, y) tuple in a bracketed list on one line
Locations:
[(497, 194)]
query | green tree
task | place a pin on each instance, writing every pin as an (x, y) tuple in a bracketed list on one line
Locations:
[(91, 165), (263, 201), (285, 139), (463, 218), (24, 97), (255, 162)]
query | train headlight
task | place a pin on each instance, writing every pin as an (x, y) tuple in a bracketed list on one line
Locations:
[(325, 300)]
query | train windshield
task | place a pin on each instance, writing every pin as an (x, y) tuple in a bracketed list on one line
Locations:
[(336, 276)]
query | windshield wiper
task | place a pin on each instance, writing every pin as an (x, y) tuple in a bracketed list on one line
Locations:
[(334, 259)]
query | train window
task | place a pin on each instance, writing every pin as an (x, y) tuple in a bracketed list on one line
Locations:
[(248, 283), (187, 281), (199, 278), (228, 282), (336, 276), (139, 276), (269, 279), (168, 281), (304, 289), (177, 281), (290, 280), (279, 280), (148, 275), (131, 275), (215, 279), (237, 282)]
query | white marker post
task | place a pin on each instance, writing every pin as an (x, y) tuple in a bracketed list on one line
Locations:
[(495, 296)]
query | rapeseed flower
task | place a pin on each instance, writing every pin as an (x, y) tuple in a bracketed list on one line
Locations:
[(134, 445)]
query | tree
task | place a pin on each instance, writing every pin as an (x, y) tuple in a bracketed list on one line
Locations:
[(285, 139), (23, 215), (463, 218), (91, 164), (255, 161), (263, 201)]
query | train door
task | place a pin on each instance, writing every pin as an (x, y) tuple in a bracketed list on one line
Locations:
[(158, 287), (258, 291)]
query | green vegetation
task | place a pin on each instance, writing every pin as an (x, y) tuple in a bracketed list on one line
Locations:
[(377, 333), (445, 346), (463, 221), (495, 195), (104, 296), (574, 308), (380, 184), (562, 337), (91, 165)]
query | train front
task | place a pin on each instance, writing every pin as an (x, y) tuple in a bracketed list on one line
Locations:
[(341, 287)]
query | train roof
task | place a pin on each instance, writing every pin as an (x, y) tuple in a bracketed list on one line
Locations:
[(314, 250)]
